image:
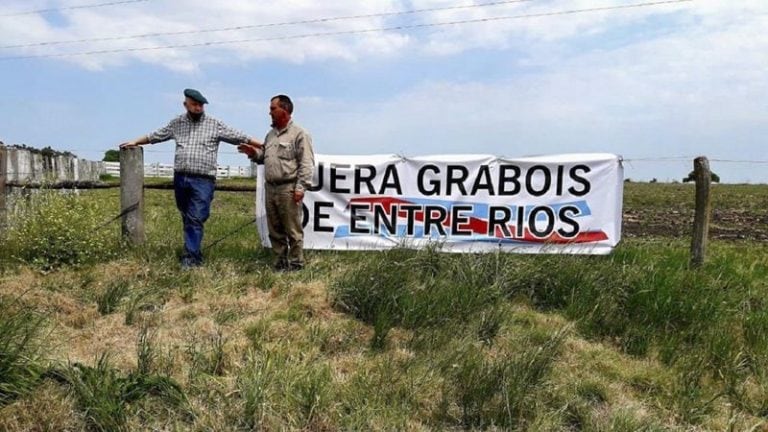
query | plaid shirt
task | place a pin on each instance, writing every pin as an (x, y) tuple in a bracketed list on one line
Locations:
[(197, 143)]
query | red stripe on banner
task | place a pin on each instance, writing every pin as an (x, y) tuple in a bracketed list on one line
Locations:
[(582, 237), (480, 226)]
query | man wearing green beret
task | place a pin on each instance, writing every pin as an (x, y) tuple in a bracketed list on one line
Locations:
[(197, 137)]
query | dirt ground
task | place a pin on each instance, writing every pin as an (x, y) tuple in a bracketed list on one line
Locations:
[(726, 224)]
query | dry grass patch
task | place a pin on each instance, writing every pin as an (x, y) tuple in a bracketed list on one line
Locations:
[(107, 334), (47, 409)]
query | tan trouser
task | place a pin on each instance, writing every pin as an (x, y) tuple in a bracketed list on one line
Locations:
[(284, 221)]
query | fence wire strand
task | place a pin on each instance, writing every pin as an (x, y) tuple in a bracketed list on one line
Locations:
[(230, 234), (121, 214)]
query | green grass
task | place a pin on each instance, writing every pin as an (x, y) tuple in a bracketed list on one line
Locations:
[(20, 348), (105, 396), (392, 288), (108, 300), (393, 340), (49, 230), (679, 196)]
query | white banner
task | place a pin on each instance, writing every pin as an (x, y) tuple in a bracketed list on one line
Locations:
[(568, 203)]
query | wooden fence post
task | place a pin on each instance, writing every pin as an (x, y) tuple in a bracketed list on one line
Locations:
[(132, 194), (703, 178), (3, 176)]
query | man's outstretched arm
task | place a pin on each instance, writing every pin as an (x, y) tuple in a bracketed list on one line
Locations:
[(135, 143)]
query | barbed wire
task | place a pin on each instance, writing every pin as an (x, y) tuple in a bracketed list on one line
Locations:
[(211, 245), (739, 161), (689, 159), (659, 159), (266, 25), (641, 159), (134, 206), (88, 6)]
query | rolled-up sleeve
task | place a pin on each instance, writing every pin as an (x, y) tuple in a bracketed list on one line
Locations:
[(258, 157)]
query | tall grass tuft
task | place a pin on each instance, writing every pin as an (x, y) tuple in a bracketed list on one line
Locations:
[(472, 382), (310, 391), (105, 396), (375, 291), (109, 299), (146, 355), (207, 355), (280, 391), (523, 375), (497, 390), (254, 384), (489, 324), (138, 300), (645, 300), (417, 289), (386, 395), (20, 363)]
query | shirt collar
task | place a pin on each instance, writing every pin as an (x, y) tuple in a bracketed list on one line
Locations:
[(283, 130)]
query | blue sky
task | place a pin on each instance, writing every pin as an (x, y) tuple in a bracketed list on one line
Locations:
[(657, 84)]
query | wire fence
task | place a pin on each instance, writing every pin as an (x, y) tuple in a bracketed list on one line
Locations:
[(215, 242), (166, 170), (679, 168), (350, 32), (27, 171), (25, 167)]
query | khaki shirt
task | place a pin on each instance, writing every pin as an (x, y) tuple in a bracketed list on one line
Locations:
[(288, 156)]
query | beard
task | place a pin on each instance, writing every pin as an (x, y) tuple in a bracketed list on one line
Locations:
[(195, 117), (280, 122)]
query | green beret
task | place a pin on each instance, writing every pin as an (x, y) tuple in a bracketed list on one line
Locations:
[(195, 95)]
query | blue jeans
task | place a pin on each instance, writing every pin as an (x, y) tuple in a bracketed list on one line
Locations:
[(193, 199)]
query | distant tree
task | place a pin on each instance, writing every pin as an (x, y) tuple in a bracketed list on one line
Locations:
[(111, 156), (692, 177), (45, 151), (48, 152)]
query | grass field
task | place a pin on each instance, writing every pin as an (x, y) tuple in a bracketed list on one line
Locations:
[(95, 335)]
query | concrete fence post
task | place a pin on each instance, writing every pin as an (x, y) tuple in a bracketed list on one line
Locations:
[(703, 177), (132, 194)]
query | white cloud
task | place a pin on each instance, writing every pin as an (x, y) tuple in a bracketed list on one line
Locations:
[(199, 15), (191, 15), (668, 80), (699, 90)]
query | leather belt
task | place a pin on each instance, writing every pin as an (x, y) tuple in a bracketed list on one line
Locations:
[(195, 175), (280, 182)]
